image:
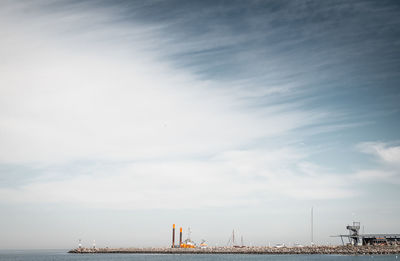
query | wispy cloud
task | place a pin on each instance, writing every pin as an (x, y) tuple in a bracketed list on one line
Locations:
[(89, 102), (388, 153), (233, 178), (375, 175), (66, 98), (168, 101), (242, 111), (388, 156)]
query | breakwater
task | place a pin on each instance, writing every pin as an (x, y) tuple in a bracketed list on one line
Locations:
[(321, 250)]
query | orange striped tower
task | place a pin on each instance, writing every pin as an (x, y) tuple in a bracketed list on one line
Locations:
[(180, 237)]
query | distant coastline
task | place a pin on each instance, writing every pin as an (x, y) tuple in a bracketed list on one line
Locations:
[(319, 250)]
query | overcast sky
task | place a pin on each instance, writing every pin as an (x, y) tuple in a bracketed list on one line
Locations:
[(120, 118)]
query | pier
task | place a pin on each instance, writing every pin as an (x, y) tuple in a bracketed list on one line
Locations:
[(359, 244), (319, 250)]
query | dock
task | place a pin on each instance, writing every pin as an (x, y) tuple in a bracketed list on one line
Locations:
[(359, 244), (307, 250)]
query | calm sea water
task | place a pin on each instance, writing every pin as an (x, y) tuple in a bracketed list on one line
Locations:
[(61, 255)]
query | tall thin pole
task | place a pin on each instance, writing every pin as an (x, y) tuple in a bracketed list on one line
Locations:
[(180, 237), (312, 226), (173, 236)]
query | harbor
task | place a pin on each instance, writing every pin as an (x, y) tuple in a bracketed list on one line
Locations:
[(358, 244)]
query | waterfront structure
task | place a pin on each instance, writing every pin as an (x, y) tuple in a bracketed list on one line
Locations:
[(306, 250), (355, 238), (187, 243)]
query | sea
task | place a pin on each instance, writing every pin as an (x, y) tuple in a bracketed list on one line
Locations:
[(62, 255)]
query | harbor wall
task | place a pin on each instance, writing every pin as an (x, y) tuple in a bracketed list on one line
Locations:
[(325, 250)]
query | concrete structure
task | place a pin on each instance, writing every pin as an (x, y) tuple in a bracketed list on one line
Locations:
[(357, 239)]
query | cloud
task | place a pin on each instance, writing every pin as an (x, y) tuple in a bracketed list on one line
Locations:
[(388, 153), (169, 135), (234, 178), (81, 84), (375, 175), (62, 101)]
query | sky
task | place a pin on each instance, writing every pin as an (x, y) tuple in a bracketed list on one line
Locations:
[(120, 118)]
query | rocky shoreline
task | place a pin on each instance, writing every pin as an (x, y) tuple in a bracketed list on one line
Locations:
[(319, 250)]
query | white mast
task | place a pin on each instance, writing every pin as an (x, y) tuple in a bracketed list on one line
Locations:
[(312, 226)]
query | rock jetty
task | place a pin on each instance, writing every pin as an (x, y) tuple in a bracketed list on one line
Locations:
[(320, 250)]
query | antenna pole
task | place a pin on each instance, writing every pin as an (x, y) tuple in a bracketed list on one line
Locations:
[(189, 234), (312, 226)]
